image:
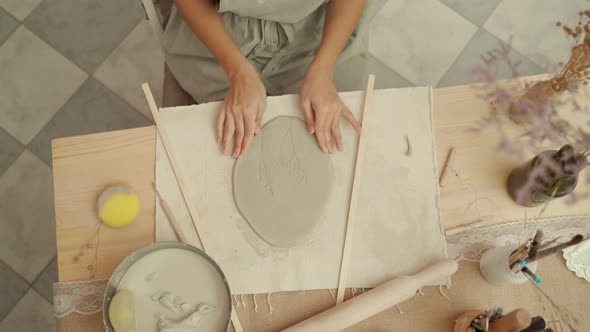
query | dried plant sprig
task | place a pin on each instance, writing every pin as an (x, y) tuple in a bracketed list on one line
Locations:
[(547, 127)]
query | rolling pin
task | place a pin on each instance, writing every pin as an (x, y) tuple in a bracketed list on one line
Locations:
[(376, 300), (517, 320)]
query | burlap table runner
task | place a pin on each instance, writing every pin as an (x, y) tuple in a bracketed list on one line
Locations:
[(428, 312)]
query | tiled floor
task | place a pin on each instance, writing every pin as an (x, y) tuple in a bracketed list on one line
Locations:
[(70, 67)]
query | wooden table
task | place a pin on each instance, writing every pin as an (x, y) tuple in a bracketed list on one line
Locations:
[(84, 165)]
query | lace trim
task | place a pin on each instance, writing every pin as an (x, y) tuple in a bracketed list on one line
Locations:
[(82, 297), (86, 297), (577, 259), (469, 245)]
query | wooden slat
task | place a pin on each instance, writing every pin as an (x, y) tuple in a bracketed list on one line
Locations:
[(352, 208)]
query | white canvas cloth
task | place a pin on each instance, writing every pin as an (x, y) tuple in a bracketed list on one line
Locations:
[(397, 227)]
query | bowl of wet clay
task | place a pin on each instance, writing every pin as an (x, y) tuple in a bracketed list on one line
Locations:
[(167, 286)]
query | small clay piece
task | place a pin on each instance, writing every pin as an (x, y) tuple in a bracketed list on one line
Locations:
[(283, 183)]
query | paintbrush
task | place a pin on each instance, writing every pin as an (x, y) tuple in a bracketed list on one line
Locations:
[(531, 275), (542, 254), (170, 216)]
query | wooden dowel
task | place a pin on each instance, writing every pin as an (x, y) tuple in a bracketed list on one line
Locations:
[(352, 209), (184, 188)]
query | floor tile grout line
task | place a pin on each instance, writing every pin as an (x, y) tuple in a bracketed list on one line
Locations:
[(513, 49), (123, 99), (43, 270), (457, 57), (116, 47), (88, 73), (52, 117), (19, 300), (385, 65), (491, 13), (12, 270), (27, 147)]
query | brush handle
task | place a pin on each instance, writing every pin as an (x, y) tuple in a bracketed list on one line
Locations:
[(173, 222), (517, 320), (542, 254), (376, 300)]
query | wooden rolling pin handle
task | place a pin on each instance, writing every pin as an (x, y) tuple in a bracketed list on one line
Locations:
[(376, 300), (515, 321)]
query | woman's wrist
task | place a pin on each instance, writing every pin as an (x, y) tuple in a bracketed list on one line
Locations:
[(238, 66), (320, 68)]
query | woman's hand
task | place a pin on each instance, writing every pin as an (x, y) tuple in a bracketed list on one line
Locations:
[(240, 116), (322, 108)]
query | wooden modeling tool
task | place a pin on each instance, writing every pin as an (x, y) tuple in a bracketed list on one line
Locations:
[(360, 157), (535, 244), (184, 188), (542, 254), (446, 165), (170, 216), (515, 321), (376, 300)]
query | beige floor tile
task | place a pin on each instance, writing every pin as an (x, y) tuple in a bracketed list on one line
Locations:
[(36, 82), (419, 39), (19, 8), (531, 24), (27, 220), (137, 60), (31, 314)]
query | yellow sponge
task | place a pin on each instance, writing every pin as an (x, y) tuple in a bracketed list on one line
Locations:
[(118, 206), (122, 311)]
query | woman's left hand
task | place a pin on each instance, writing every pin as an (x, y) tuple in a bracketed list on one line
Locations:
[(322, 108)]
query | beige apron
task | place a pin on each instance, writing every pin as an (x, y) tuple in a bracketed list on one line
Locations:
[(278, 37)]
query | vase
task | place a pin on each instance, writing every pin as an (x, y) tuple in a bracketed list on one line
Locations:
[(550, 174)]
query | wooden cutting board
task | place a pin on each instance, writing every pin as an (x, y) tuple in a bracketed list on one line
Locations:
[(82, 167)]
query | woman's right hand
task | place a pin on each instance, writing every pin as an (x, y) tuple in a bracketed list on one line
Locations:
[(240, 116)]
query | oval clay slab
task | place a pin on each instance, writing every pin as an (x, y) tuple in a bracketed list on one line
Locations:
[(283, 183)]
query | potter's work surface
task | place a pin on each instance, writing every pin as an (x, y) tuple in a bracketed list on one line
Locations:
[(397, 223), (177, 290), (282, 185)]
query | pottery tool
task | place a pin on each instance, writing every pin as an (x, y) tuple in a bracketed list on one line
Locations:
[(462, 228), (542, 254), (518, 253), (482, 321), (515, 321), (446, 165), (184, 188), (531, 275), (376, 300), (168, 212), (535, 244), (538, 324), (352, 210)]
